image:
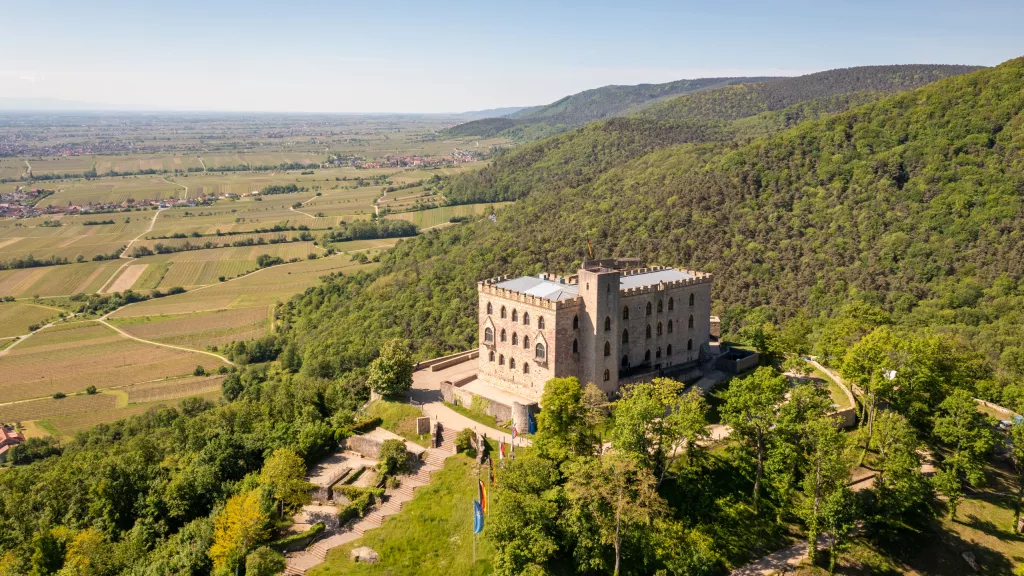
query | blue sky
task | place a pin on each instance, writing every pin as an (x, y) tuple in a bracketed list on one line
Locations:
[(454, 56)]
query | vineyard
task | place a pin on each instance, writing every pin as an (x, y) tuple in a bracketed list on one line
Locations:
[(199, 329), (16, 317), (87, 277), (68, 357)]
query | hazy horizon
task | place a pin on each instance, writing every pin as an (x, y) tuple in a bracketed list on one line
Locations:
[(401, 58)]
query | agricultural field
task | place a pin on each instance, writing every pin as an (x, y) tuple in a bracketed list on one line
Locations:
[(437, 216), (49, 281), (113, 190), (21, 238), (11, 169), (200, 329), (158, 162), (260, 289), (68, 357), (61, 164), (16, 317)]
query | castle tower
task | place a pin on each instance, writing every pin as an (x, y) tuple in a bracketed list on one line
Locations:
[(599, 325)]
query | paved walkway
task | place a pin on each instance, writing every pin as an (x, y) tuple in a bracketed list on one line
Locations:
[(426, 394), (779, 562)]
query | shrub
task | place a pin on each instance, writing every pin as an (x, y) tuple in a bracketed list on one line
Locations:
[(90, 390), (464, 442), (59, 395), (393, 457), (264, 562), (199, 371), (286, 542), (175, 290), (360, 501)]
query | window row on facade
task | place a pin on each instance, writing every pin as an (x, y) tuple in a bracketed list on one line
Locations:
[(515, 316), (540, 352), (511, 362), (608, 350), (625, 333), (660, 307)]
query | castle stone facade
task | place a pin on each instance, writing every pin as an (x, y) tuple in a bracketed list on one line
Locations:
[(612, 321)]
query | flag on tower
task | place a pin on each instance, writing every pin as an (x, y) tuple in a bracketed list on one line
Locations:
[(478, 518), (501, 449), (515, 432)]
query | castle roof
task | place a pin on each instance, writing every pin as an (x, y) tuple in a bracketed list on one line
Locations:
[(652, 278), (541, 288)]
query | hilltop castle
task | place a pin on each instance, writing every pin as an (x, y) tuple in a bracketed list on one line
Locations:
[(611, 323)]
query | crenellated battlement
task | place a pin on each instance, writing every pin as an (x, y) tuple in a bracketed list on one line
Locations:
[(699, 278)]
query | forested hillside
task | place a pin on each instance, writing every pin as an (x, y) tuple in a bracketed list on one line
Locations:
[(909, 207), (587, 106)]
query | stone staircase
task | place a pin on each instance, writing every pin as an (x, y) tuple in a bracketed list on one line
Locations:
[(393, 502)]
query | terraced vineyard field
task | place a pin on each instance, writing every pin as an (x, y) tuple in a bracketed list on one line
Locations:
[(16, 317), (68, 357), (200, 329), (87, 277), (66, 416), (262, 288), (435, 216), (147, 162)]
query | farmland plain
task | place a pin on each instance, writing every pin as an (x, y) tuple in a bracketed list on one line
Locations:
[(208, 176)]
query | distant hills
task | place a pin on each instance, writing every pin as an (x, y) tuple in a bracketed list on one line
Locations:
[(587, 106), (489, 113), (722, 99)]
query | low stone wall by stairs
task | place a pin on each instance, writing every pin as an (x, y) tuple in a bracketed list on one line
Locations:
[(394, 500)]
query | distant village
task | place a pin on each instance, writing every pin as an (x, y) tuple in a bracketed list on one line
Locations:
[(454, 159), (22, 204)]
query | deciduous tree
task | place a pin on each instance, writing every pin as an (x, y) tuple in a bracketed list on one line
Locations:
[(391, 373), (284, 476)]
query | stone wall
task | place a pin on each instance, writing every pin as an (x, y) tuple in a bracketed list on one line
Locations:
[(453, 394), (369, 447)]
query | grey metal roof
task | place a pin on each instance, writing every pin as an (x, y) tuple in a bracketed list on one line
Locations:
[(541, 288), (652, 278)]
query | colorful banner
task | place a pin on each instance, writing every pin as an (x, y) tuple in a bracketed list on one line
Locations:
[(478, 518)]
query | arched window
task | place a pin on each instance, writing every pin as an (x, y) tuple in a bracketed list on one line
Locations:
[(625, 361), (501, 359), (625, 336), (575, 322), (607, 348), (648, 308), (647, 356), (607, 323), (540, 322), (648, 335), (515, 339), (526, 318), (669, 326), (526, 367), (503, 336), (491, 356), (515, 315), (490, 309), (526, 342), (657, 353), (512, 363), (575, 347), (691, 320), (502, 311), (668, 351), (660, 307), (607, 375), (625, 312), (488, 335), (539, 351), (671, 304), (659, 328), (689, 344), (691, 299)]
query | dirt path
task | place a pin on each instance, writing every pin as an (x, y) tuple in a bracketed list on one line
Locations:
[(200, 158), (28, 169), (21, 339), (184, 194), (152, 223), (182, 348), (292, 208), (778, 562)]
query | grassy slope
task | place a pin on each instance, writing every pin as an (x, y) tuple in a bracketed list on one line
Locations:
[(433, 535)]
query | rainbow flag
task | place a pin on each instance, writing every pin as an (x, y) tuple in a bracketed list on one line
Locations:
[(483, 496)]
